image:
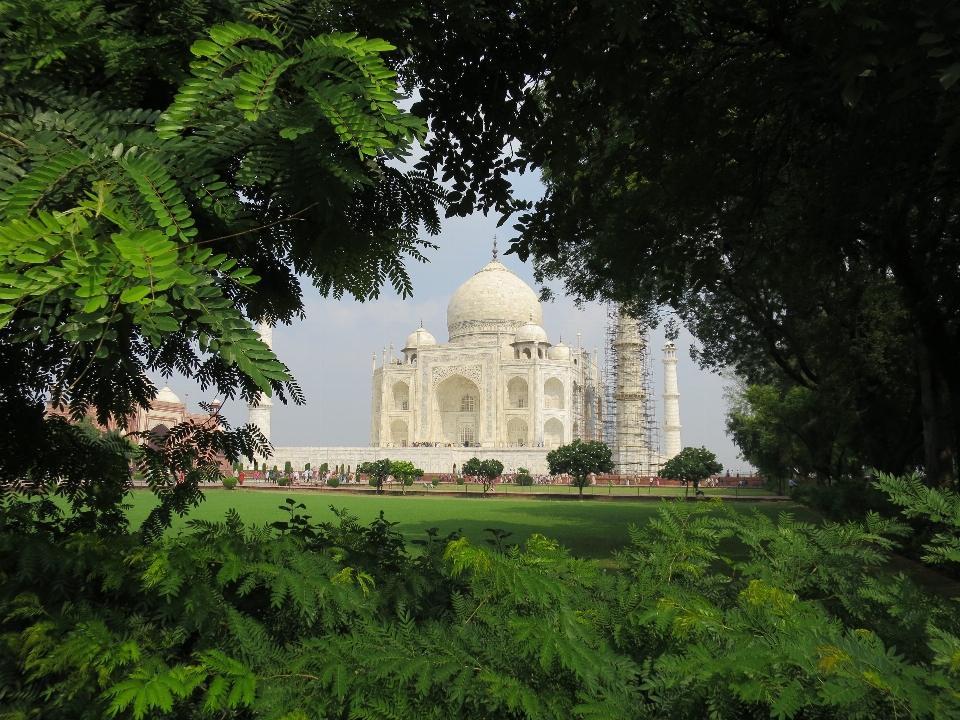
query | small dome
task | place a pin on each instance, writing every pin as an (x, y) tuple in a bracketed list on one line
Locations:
[(419, 338), (166, 396), (531, 333), (560, 351), (491, 302)]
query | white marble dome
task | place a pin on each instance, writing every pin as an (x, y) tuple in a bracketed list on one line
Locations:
[(531, 333), (419, 338), (166, 395), (560, 351), (493, 301)]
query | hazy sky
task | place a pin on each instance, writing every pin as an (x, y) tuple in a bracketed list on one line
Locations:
[(330, 351)]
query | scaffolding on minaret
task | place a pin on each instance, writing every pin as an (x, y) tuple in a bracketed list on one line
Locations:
[(609, 414), (629, 380)]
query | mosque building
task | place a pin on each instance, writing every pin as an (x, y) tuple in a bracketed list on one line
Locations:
[(498, 388)]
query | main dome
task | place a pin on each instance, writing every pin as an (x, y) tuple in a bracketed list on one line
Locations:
[(493, 301)]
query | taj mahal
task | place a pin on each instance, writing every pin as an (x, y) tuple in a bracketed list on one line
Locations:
[(498, 388)]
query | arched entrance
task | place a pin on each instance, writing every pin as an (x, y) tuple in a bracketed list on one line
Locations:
[(553, 433), (399, 433), (517, 432), (457, 404)]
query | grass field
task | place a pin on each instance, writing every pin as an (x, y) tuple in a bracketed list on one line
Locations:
[(592, 530)]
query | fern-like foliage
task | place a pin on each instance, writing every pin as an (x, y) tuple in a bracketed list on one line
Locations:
[(938, 505), (135, 238), (339, 619)]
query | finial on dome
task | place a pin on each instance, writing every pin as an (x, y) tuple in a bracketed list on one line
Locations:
[(494, 248)]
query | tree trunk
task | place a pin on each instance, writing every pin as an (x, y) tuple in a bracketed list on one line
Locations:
[(938, 430), (937, 355)]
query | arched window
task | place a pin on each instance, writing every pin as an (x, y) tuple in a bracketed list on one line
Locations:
[(517, 393), (526, 353), (413, 359), (553, 393), (399, 434), (553, 433), (517, 432), (540, 353), (468, 403), (467, 434), (401, 396)]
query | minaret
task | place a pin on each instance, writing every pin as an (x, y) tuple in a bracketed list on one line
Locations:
[(260, 412), (630, 452), (671, 403)]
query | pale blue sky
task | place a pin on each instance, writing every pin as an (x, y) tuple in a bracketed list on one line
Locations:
[(330, 351)]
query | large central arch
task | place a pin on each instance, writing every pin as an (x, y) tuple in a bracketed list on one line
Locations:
[(457, 408)]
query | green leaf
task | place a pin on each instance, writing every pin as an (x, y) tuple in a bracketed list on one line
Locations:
[(134, 294)]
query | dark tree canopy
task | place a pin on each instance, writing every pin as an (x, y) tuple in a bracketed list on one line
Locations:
[(782, 175)]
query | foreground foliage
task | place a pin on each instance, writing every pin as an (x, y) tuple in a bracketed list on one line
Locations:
[(299, 620)]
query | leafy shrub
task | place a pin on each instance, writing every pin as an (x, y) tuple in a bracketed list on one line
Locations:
[(333, 481), (845, 500), (435, 481), (800, 627), (524, 480), (460, 480), (373, 482), (229, 482), (283, 481)]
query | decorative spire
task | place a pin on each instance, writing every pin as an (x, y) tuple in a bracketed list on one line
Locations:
[(494, 248)]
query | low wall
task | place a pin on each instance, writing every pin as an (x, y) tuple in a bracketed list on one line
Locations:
[(430, 459)]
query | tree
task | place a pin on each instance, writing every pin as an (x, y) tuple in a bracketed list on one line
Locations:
[(133, 236), (378, 470), (691, 465), (486, 470), (776, 174), (796, 433), (580, 459), (406, 472)]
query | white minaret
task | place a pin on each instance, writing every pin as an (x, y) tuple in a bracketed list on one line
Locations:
[(630, 452), (671, 403), (260, 412)]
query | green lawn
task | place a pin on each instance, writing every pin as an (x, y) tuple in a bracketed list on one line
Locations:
[(589, 529)]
